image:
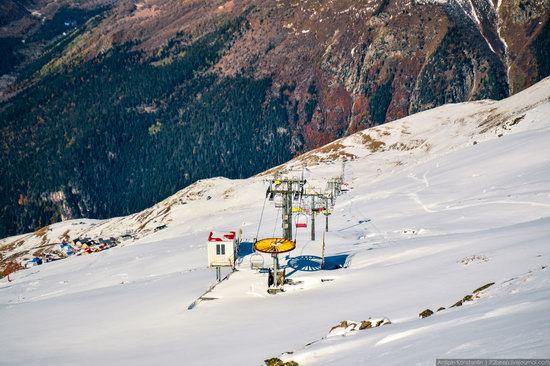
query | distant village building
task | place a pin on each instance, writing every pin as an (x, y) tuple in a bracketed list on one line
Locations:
[(125, 237)]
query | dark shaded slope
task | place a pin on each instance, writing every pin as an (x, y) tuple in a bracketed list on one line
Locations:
[(117, 134)]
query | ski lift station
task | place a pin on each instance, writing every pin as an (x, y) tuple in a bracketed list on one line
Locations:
[(298, 205)]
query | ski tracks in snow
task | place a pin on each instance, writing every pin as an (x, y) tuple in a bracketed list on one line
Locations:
[(414, 195), (425, 181)]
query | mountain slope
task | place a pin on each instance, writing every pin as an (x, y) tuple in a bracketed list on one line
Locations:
[(458, 198), (387, 148), (128, 88)]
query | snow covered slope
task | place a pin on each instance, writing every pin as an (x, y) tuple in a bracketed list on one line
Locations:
[(457, 197)]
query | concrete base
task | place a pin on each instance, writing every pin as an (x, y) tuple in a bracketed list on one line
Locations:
[(273, 291)]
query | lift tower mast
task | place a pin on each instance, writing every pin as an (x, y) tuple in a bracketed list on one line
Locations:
[(288, 189)]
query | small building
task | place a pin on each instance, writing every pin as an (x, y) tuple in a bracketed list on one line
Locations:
[(125, 237), (35, 261), (107, 243), (67, 249), (221, 249)]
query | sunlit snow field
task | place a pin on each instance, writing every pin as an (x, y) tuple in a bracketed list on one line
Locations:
[(421, 228)]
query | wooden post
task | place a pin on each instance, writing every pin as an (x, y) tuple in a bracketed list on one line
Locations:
[(10, 268)]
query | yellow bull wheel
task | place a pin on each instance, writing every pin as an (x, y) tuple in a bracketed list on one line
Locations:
[(274, 245)]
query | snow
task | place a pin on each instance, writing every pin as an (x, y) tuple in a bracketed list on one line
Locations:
[(432, 216)]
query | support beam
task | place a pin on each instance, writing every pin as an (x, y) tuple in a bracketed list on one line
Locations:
[(323, 253), (287, 215), (312, 218), (218, 274)]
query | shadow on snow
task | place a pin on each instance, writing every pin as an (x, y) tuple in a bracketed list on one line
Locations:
[(312, 263)]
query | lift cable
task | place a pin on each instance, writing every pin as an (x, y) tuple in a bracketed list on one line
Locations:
[(261, 217)]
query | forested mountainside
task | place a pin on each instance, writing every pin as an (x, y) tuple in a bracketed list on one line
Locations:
[(110, 106)]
